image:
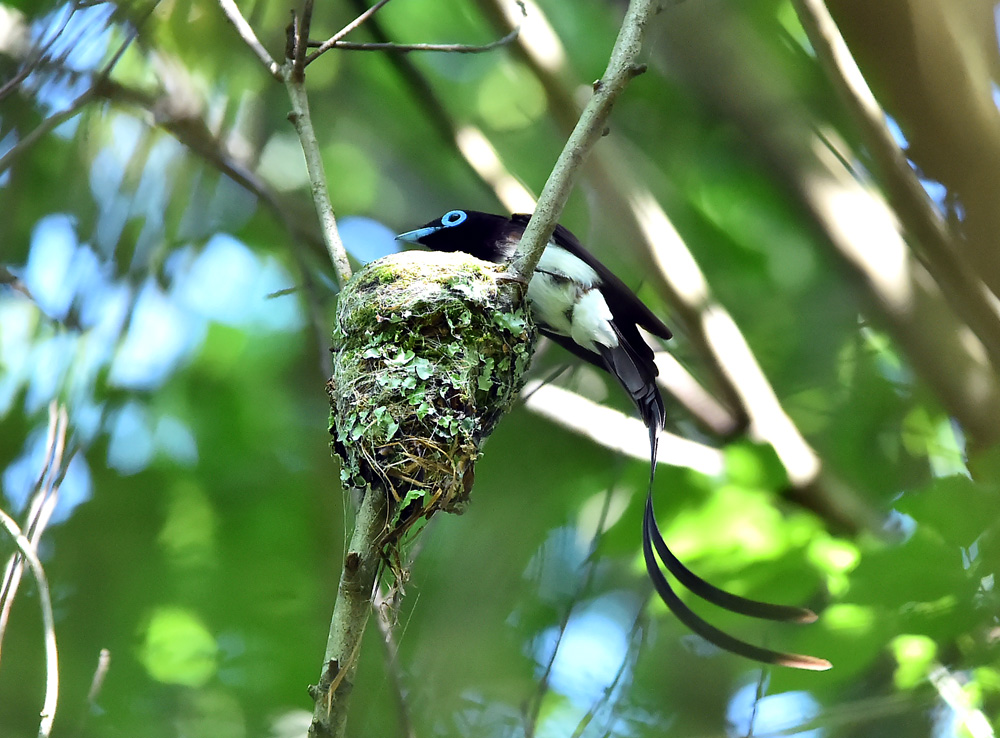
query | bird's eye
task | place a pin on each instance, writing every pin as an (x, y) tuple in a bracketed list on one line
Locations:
[(453, 218)]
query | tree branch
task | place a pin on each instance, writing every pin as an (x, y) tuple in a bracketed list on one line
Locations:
[(43, 502), (406, 48), (246, 32), (350, 616), (291, 73), (53, 121), (48, 712), (617, 431), (965, 291), (317, 176), (622, 67), (706, 45), (332, 41)]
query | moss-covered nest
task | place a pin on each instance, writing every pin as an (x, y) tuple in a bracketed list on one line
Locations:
[(430, 350)]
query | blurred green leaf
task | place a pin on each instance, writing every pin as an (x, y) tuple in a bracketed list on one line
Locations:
[(178, 649)]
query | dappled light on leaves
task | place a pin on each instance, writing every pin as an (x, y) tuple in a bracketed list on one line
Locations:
[(178, 649), (166, 307)]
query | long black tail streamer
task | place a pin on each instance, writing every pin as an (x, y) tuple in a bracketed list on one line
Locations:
[(652, 540)]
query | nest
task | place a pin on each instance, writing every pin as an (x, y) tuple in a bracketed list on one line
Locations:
[(430, 353)]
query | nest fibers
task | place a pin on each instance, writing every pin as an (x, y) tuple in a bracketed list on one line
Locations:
[(430, 353)]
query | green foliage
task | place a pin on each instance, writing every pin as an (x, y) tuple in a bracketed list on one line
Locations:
[(180, 319)]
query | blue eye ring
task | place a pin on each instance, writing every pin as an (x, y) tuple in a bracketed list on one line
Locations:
[(453, 218)]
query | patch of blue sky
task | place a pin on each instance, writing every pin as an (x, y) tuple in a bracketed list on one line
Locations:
[(556, 563), (153, 194), (223, 281), (774, 714), (231, 206), (936, 191), (51, 359), (592, 650), (7, 142), (130, 439), (161, 335), (174, 439), (83, 45), (49, 272), (366, 239), (102, 303), (227, 283), (108, 167)]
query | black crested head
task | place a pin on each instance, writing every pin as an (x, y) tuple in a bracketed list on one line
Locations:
[(483, 235)]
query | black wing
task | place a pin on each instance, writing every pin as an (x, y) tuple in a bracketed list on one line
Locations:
[(625, 306)]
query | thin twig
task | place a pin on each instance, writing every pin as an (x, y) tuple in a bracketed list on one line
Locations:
[(535, 705), (246, 32), (406, 48), (332, 41), (96, 685), (631, 656), (384, 608), (622, 67), (43, 501), (51, 699), (301, 42), (53, 121), (293, 76), (422, 92), (44, 128), (761, 692), (39, 54)]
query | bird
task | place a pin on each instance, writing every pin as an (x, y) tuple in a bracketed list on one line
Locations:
[(579, 303)]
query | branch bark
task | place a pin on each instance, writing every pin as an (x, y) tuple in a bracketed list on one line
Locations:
[(935, 243), (622, 67), (350, 616), (705, 45), (292, 74), (317, 176)]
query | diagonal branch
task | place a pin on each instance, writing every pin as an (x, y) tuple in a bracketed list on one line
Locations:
[(966, 292), (736, 375), (246, 32), (350, 616), (54, 121), (332, 41), (859, 227), (43, 502), (406, 48), (622, 67), (194, 133), (292, 74)]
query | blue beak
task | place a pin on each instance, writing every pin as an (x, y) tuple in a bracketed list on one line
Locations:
[(415, 236)]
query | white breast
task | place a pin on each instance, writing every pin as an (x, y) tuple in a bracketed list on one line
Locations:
[(564, 299)]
